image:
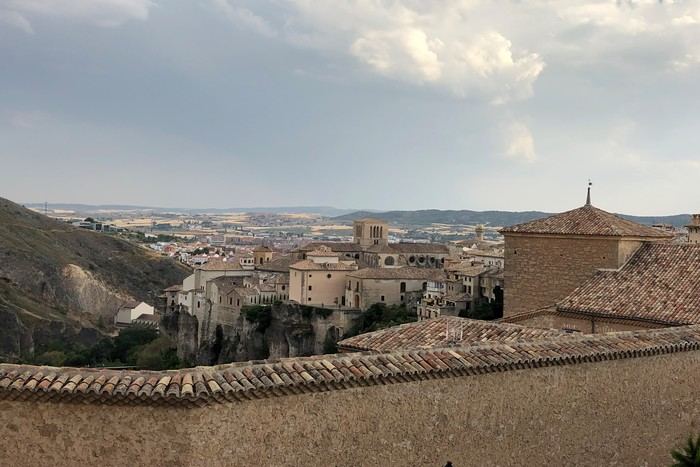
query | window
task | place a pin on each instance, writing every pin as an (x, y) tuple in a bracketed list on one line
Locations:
[(238, 302), (309, 298), (219, 298), (230, 301), (329, 276), (309, 288), (402, 298), (389, 261), (382, 297), (284, 287), (197, 304), (403, 287)]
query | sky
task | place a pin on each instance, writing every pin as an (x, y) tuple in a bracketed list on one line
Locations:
[(378, 104)]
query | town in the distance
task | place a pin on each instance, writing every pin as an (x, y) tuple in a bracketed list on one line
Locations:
[(172, 309)]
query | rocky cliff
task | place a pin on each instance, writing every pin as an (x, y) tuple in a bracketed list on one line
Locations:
[(61, 282), (281, 330)]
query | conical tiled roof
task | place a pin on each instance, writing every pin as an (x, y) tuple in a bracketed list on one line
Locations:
[(587, 220)]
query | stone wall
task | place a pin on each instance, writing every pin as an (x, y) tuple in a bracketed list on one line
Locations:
[(541, 270), (583, 323), (620, 412)]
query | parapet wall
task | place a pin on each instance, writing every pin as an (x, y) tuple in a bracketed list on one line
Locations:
[(631, 409)]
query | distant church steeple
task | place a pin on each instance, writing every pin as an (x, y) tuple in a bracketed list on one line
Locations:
[(588, 197)]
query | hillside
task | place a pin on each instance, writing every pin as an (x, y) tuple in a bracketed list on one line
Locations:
[(495, 218), (60, 282)]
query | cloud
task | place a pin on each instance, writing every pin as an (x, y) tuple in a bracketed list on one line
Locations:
[(105, 13), (519, 143), (13, 18), (477, 48), (244, 18)]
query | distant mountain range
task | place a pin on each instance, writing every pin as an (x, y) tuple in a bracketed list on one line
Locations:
[(326, 211), (419, 217), (494, 218)]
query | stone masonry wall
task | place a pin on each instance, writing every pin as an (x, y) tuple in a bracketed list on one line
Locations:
[(621, 412), (540, 271)]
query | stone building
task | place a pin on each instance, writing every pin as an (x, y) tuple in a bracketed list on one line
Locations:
[(658, 287), (319, 280), (262, 255), (391, 286), (371, 248), (694, 229), (368, 232), (548, 258)]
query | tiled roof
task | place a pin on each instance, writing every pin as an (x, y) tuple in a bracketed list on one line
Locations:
[(280, 264), (255, 380), (173, 288), (408, 272), (660, 283), (262, 249), (219, 265), (419, 248), (322, 251), (432, 333), (226, 284), (338, 247), (308, 265), (468, 269), (587, 220), (245, 291)]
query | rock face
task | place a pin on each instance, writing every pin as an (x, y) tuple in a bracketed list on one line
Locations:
[(61, 282), (292, 330)]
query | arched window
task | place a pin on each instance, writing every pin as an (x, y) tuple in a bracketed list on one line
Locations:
[(389, 261)]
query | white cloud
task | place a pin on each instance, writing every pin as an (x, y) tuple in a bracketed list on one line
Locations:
[(478, 48), (105, 13), (13, 18), (244, 18), (519, 143)]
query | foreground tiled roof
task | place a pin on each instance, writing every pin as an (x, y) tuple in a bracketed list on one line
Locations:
[(660, 283), (408, 272), (587, 220), (255, 380), (433, 333)]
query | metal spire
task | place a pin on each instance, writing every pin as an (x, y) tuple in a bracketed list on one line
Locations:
[(588, 197)]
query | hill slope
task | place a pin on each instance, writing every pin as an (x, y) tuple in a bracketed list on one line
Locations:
[(57, 281), (495, 218)]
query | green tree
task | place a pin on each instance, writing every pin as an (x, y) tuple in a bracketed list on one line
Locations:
[(688, 455)]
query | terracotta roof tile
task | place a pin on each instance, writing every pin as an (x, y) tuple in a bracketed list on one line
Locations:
[(399, 273), (432, 333), (587, 220), (308, 265), (660, 283), (195, 387)]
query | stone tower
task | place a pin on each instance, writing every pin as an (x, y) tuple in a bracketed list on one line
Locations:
[(479, 231), (694, 229), (368, 232), (262, 255)]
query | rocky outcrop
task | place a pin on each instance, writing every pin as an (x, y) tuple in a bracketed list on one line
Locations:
[(86, 293), (61, 282), (291, 331)]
